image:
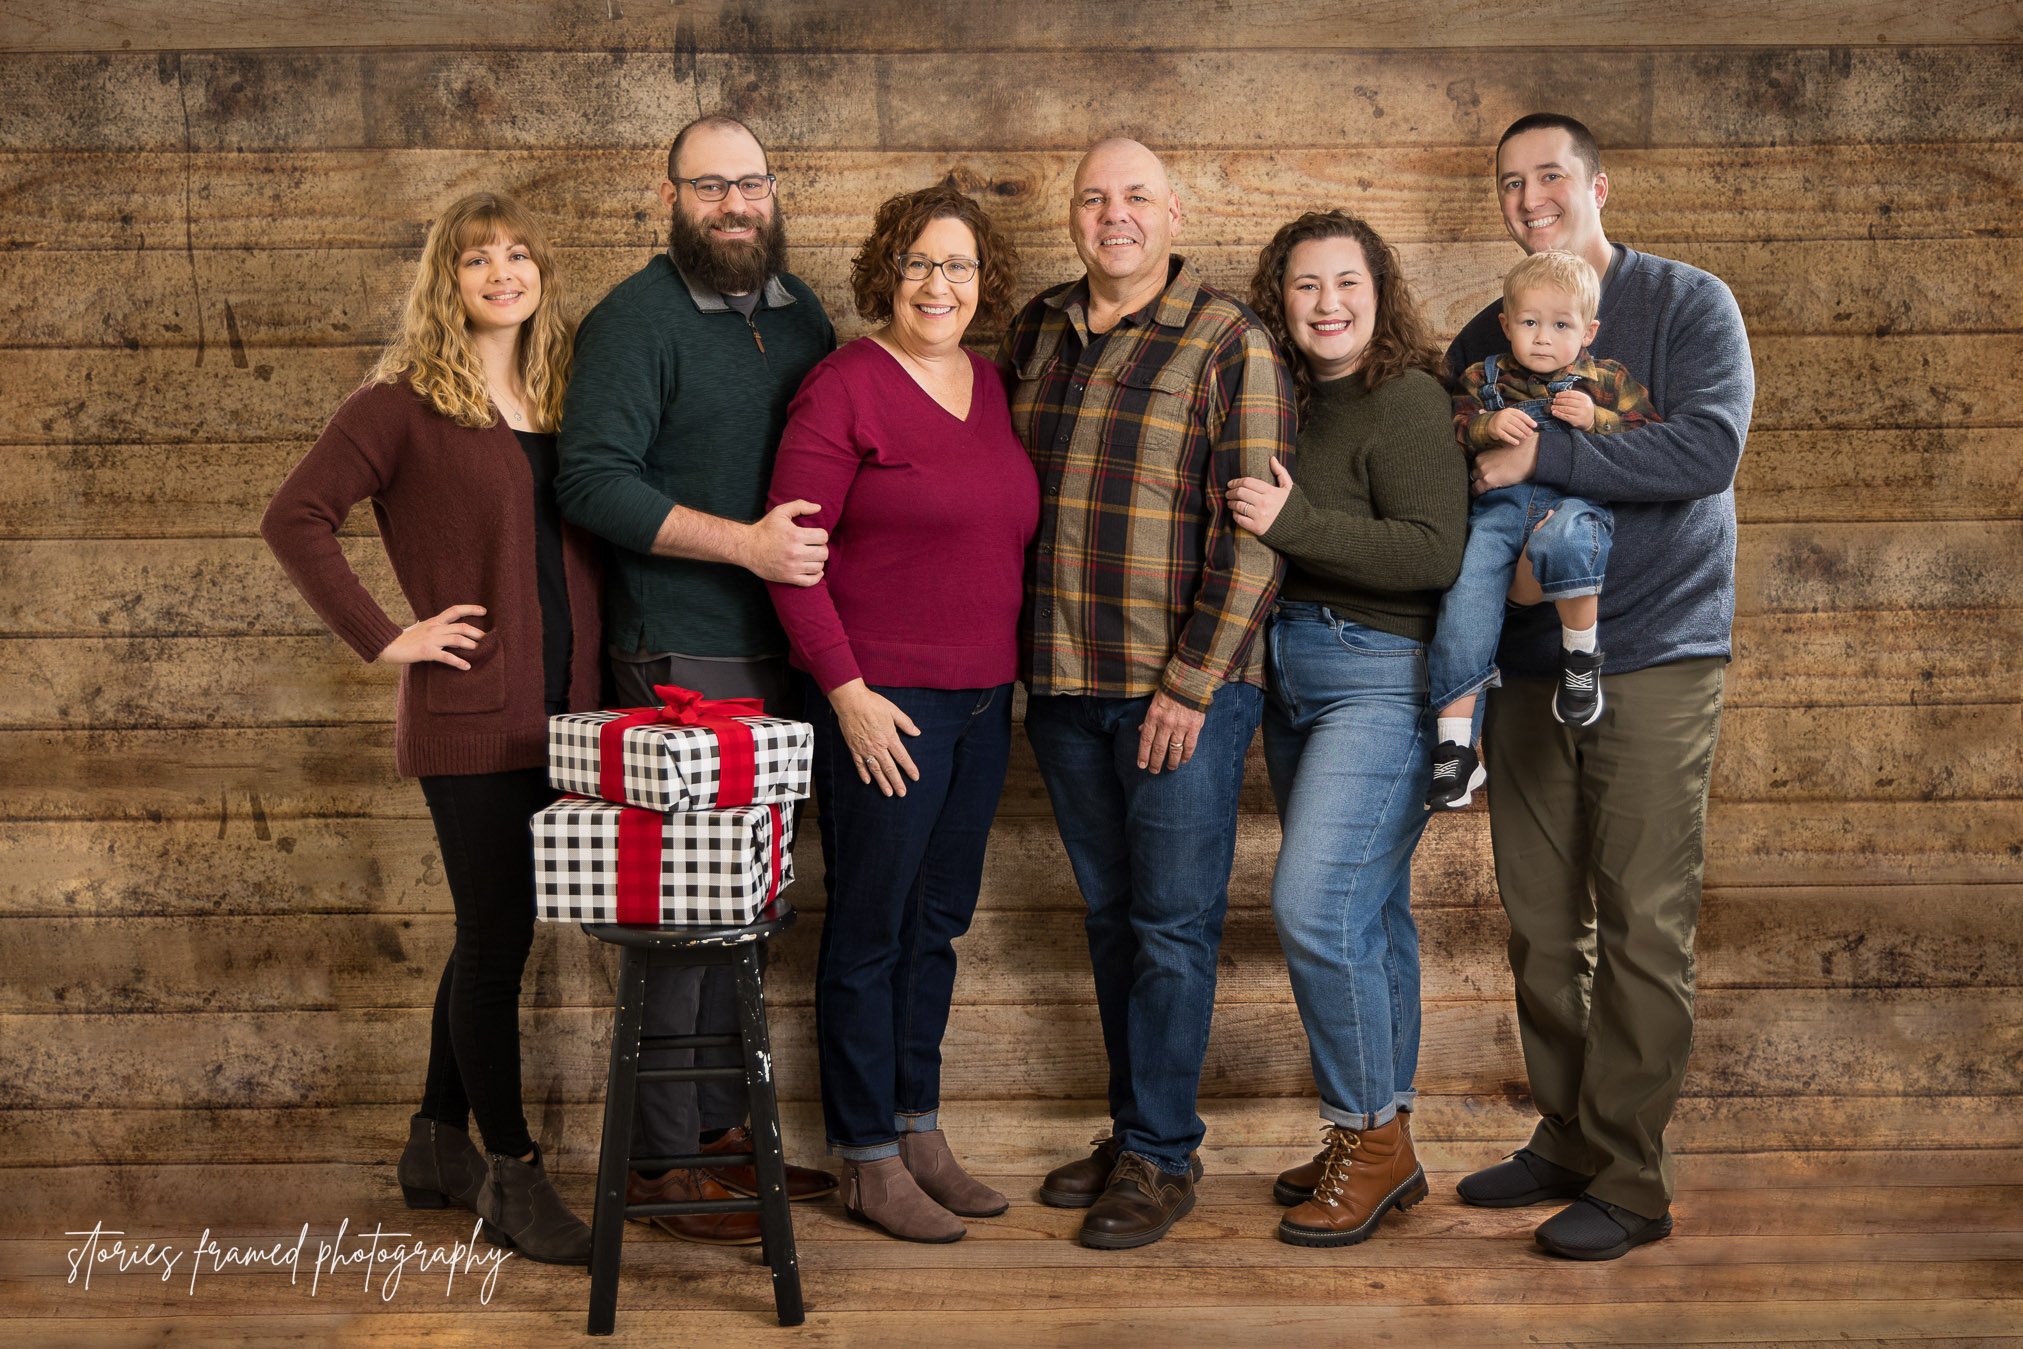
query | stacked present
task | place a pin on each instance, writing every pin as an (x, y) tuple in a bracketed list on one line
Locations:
[(681, 813)]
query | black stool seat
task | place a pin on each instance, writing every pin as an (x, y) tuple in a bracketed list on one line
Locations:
[(641, 948)]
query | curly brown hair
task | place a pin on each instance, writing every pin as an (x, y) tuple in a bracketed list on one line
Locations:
[(1402, 340), (874, 272)]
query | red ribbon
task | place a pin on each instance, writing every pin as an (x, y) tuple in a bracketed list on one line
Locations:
[(736, 746), (641, 837)]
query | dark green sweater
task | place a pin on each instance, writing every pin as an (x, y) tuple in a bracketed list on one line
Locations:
[(676, 398), (1378, 516)]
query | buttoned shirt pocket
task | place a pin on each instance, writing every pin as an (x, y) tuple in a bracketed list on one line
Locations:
[(1155, 422)]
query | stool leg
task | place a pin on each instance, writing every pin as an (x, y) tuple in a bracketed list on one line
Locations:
[(614, 1153), (775, 1220)]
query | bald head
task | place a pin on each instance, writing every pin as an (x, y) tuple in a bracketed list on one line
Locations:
[(1123, 218), (1122, 155)]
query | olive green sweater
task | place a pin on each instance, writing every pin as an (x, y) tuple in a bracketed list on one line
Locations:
[(1378, 517)]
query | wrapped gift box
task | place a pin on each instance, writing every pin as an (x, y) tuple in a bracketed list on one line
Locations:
[(690, 754), (597, 862)]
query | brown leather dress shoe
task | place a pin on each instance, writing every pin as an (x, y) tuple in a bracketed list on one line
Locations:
[(1364, 1175), (1077, 1184), (1138, 1206), (681, 1186), (803, 1182), (1296, 1186)]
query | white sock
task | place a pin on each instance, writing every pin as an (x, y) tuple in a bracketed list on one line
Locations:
[(1454, 730), (1579, 639)]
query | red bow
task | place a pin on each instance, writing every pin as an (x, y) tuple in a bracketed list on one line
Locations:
[(736, 748)]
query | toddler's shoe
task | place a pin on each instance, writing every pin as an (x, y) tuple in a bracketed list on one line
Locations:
[(1578, 699), (1457, 772)]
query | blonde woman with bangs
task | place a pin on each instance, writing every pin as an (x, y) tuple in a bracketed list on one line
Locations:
[(452, 439)]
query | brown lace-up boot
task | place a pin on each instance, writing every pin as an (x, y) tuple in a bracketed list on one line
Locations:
[(1296, 1185), (1365, 1173)]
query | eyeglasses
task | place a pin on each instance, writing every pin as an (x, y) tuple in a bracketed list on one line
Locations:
[(753, 187), (918, 267)]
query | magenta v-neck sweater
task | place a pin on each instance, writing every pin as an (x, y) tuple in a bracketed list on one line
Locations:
[(928, 518)]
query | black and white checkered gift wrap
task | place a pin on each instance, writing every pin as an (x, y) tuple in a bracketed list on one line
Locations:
[(679, 767), (715, 865)]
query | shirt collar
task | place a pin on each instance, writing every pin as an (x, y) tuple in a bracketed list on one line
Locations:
[(711, 301), (1170, 310)]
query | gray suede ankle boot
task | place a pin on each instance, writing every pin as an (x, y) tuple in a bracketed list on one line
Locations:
[(440, 1166), (523, 1213), (883, 1194), (934, 1168)]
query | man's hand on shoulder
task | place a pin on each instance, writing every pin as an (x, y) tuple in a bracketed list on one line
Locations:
[(775, 548)]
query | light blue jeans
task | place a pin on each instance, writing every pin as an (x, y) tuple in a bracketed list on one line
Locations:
[(1569, 556), (1345, 740)]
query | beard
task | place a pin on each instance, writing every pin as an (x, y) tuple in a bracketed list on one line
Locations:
[(729, 267)]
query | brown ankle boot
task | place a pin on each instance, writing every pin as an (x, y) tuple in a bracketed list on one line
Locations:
[(1365, 1173), (934, 1168), (885, 1195), (1296, 1185)]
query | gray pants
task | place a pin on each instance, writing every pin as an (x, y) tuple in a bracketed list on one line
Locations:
[(695, 1000)]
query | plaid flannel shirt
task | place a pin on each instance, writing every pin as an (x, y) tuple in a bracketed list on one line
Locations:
[(1620, 401), (1141, 580)]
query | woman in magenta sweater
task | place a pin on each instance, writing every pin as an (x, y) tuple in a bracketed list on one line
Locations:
[(905, 441), (452, 439)]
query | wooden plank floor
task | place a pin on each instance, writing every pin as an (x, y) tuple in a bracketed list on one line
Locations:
[(1864, 1247)]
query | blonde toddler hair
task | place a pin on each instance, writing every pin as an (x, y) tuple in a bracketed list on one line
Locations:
[(1563, 272)]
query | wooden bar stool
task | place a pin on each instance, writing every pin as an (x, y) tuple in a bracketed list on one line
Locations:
[(642, 948)]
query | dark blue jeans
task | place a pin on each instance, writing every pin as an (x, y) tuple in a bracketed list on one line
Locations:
[(1152, 855), (904, 872)]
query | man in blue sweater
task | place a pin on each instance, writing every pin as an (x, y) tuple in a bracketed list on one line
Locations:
[(1599, 831)]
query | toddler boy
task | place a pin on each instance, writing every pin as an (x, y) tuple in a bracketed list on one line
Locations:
[(1549, 306)]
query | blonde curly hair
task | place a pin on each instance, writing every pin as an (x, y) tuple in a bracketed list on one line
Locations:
[(433, 350)]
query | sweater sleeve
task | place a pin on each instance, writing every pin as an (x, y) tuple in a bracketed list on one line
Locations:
[(308, 509), (1710, 389), (1413, 537), (618, 386), (818, 461)]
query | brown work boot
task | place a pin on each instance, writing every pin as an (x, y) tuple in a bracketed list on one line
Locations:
[(1366, 1173), (1296, 1186), (934, 1168), (1078, 1183), (803, 1182), (1138, 1206), (681, 1186), (884, 1194)]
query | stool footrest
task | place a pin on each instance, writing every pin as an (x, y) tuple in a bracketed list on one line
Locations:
[(689, 1042), (696, 1162), (725, 1074), (690, 1207)]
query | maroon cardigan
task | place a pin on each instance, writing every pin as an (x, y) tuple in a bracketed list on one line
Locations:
[(456, 512)]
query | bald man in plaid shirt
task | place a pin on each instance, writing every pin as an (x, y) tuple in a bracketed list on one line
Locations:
[(1141, 393)]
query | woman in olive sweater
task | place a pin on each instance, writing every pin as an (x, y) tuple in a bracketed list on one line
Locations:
[(452, 440), (1372, 533)]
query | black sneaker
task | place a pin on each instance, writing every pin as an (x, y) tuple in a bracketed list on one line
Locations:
[(1456, 775), (1594, 1229), (1578, 699)]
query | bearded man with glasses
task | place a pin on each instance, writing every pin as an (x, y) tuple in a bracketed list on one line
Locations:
[(673, 416)]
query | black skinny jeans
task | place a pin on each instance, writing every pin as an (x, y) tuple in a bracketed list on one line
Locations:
[(474, 1040)]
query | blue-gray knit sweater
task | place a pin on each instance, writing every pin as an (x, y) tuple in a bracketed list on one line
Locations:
[(1670, 593)]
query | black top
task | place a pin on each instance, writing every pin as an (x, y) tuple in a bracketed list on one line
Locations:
[(553, 588)]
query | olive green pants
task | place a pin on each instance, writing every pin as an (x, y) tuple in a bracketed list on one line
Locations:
[(1600, 836)]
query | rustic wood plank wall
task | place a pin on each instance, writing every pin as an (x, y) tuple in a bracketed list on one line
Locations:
[(225, 914)]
